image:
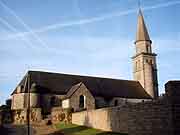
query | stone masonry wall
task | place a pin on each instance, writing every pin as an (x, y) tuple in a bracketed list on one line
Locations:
[(57, 115), (108, 119), (150, 118), (145, 118), (20, 100), (158, 117), (89, 99), (173, 95), (20, 116)]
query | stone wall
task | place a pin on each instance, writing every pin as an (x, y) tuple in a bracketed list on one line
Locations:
[(158, 117), (173, 94), (20, 101), (20, 116), (58, 114), (150, 118), (145, 118), (45, 101), (35, 115), (17, 101), (89, 99), (108, 119), (161, 117)]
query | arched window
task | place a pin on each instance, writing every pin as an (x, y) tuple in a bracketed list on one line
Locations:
[(116, 102), (82, 101)]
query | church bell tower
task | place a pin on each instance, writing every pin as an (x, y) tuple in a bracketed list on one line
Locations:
[(144, 61)]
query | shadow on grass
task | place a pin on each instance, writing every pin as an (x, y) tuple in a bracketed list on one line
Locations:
[(79, 130), (57, 133), (15, 130), (110, 133), (4, 131), (70, 130)]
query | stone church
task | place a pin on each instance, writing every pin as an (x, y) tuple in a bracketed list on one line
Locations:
[(78, 92)]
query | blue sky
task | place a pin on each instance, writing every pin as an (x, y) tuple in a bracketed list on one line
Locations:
[(87, 37)]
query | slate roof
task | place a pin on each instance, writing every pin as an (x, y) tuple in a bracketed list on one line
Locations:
[(73, 89), (58, 83)]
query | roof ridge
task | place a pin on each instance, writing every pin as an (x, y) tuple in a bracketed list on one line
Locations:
[(97, 77)]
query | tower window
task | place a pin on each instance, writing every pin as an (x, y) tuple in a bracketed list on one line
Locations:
[(136, 66), (151, 62), (147, 49)]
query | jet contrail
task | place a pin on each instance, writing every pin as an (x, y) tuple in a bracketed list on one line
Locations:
[(23, 23), (15, 30), (29, 43), (90, 20)]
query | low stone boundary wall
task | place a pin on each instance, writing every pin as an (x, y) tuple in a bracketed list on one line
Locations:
[(20, 116), (151, 118), (107, 119), (146, 118), (59, 114)]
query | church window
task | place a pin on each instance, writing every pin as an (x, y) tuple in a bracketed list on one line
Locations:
[(82, 101), (116, 102)]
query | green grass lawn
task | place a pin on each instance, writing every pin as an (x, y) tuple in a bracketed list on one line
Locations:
[(71, 129)]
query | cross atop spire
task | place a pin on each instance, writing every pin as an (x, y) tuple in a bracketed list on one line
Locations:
[(142, 33)]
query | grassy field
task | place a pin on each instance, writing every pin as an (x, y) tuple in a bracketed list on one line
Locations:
[(71, 129)]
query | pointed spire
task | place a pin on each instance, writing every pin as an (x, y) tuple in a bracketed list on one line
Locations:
[(142, 33)]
